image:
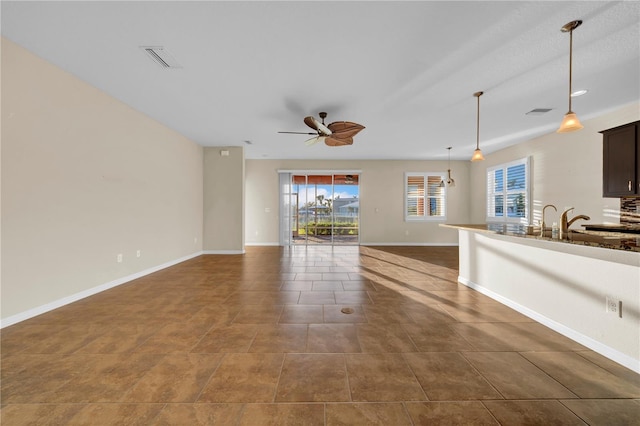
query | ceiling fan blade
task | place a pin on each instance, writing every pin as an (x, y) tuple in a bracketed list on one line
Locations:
[(334, 141), (311, 122), (315, 140), (299, 133), (345, 129), (315, 124)]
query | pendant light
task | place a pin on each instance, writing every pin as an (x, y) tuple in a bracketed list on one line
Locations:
[(450, 181), (570, 123), (477, 154)]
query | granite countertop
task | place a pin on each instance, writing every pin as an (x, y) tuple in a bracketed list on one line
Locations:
[(629, 228), (603, 239)]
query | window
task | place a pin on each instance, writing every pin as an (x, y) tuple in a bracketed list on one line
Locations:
[(508, 192), (425, 196)]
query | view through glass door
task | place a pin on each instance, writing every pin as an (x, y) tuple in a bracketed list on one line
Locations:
[(325, 209)]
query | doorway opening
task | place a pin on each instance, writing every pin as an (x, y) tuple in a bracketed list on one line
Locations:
[(320, 209)]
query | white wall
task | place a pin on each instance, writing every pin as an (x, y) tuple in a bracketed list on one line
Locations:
[(567, 171), (561, 285), (381, 200), (84, 178)]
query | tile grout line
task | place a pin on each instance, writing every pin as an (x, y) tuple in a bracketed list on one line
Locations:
[(275, 390)]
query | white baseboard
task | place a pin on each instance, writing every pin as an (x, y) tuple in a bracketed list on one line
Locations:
[(604, 350), (22, 316), (361, 244), (407, 244), (223, 252)]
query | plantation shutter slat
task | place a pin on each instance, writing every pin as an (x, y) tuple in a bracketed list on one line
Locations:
[(436, 196), (415, 195)]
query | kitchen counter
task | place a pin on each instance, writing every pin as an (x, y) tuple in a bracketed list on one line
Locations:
[(603, 239), (563, 284)]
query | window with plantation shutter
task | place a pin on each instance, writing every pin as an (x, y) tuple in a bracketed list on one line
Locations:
[(425, 196), (508, 197)]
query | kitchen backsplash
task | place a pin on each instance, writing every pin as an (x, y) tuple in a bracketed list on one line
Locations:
[(630, 210)]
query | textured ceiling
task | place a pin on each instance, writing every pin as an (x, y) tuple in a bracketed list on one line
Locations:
[(405, 70)]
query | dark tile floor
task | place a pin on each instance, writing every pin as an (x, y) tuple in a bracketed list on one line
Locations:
[(305, 335)]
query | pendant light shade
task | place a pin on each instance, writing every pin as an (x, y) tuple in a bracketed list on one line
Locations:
[(570, 123), (477, 154)]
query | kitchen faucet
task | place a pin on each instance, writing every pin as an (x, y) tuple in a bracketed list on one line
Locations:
[(565, 223), (543, 224)]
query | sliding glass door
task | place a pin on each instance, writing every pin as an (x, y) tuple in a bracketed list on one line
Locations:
[(320, 209)]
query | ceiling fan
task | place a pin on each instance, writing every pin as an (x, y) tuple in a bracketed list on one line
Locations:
[(338, 133)]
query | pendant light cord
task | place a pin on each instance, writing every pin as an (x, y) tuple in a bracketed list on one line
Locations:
[(478, 123), (570, 65)]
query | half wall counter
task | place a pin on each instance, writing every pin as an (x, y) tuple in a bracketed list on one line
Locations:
[(563, 284)]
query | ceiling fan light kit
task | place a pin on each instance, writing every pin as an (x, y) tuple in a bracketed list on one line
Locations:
[(318, 126), (570, 123), (477, 154)]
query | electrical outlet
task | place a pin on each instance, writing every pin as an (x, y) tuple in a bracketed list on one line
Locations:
[(138, 253), (119, 258), (614, 306)]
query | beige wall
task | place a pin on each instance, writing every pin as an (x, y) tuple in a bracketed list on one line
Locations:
[(381, 199), (567, 171), (84, 178), (224, 200)]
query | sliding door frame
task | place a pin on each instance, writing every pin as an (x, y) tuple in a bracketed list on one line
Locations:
[(289, 200)]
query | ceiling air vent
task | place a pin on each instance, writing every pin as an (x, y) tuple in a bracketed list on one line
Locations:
[(160, 56), (539, 111)]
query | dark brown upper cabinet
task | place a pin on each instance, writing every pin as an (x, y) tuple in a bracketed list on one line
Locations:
[(621, 166)]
